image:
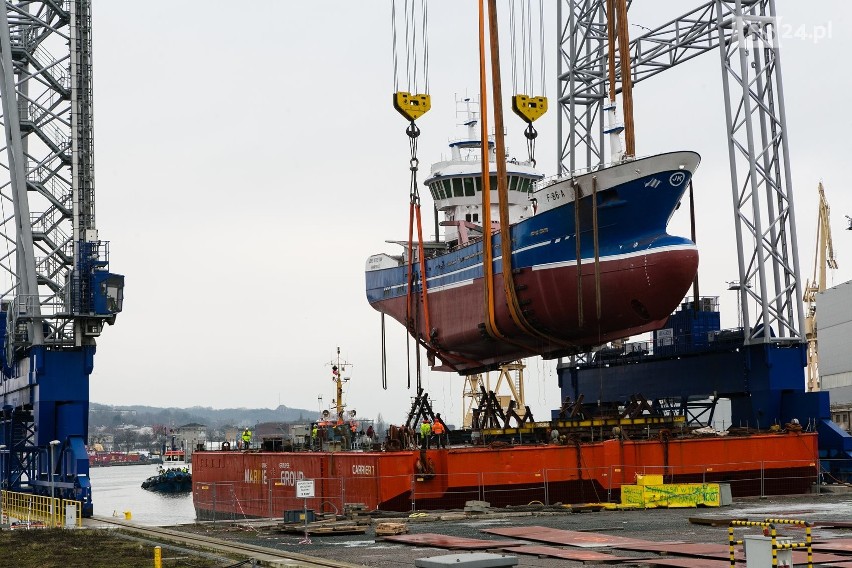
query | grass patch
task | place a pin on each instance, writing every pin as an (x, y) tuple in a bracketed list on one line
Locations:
[(89, 548)]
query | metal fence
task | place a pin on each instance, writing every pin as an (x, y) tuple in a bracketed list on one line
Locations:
[(233, 500), (29, 509)]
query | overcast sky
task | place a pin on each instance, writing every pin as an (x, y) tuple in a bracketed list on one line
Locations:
[(248, 161)]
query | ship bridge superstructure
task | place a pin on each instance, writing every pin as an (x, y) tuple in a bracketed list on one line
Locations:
[(456, 184)]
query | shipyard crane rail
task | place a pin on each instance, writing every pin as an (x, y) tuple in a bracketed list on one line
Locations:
[(56, 289)]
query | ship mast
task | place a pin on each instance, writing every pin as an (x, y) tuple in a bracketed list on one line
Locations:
[(337, 368)]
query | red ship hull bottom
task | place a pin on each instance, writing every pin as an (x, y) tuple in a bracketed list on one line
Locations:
[(637, 294), (248, 484)]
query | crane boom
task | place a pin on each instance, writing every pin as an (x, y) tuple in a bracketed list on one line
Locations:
[(823, 258)]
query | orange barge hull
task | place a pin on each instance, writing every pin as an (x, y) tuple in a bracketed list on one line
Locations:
[(238, 484)]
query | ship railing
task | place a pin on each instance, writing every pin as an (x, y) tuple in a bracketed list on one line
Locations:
[(38, 511), (556, 178)]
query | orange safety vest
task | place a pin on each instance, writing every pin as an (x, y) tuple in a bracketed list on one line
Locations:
[(437, 428)]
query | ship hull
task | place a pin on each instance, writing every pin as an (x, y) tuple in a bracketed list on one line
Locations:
[(628, 277), (239, 485)]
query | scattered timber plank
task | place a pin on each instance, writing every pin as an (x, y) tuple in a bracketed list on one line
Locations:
[(326, 531), (389, 529)]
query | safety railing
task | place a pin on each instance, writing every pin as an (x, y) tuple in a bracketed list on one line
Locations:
[(262, 497), (34, 510), (835, 471)]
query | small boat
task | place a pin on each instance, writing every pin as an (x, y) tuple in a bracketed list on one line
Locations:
[(170, 480), (174, 458)]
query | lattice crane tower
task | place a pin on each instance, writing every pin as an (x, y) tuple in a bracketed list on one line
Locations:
[(56, 291), (745, 35)]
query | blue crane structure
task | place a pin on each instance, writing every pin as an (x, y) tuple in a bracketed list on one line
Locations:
[(56, 290)]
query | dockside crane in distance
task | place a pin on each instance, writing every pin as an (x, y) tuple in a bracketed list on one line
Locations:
[(823, 258), (56, 290)]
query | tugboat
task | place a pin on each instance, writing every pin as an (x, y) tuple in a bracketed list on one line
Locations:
[(170, 480)]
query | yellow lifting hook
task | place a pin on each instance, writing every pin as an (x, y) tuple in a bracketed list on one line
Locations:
[(411, 106), (529, 108)]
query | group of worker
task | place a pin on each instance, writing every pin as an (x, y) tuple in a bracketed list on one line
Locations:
[(348, 432), (436, 429)]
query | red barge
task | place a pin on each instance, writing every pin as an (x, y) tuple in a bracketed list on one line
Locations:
[(243, 484)]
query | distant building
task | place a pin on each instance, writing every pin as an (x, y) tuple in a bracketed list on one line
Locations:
[(834, 328), (189, 437), (841, 414)]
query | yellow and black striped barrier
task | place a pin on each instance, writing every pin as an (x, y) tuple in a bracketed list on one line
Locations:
[(808, 537), (769, 524)]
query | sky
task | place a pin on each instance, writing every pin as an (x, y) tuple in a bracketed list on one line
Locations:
[(248, 161)]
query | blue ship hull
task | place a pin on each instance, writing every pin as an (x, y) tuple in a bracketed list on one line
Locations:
[(642, 272)]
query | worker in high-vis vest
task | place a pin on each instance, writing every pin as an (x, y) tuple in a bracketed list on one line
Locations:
[(425, 434), (439, 431), (246, 438)]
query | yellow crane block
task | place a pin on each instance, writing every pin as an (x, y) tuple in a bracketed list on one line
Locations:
[(529, 108), (411, 106)]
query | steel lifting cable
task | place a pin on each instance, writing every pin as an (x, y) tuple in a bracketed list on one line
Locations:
[(528, 107), (412, 307), (414, 215), (413, 105)]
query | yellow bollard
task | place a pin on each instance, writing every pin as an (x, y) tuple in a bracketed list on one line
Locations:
[(158, 557), (127, 515)]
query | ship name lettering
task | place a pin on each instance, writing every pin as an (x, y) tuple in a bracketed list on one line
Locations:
[(363, 470), (555, 195), (290, 477)]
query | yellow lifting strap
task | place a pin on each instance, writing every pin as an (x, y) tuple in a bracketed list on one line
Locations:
[(411, 106), (529, 108)]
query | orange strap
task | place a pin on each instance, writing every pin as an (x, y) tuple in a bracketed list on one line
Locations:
[(423, 290)]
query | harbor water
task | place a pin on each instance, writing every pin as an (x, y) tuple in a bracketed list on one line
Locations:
[(116, 489)]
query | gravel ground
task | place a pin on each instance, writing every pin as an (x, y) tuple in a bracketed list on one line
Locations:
[(651, 524)]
